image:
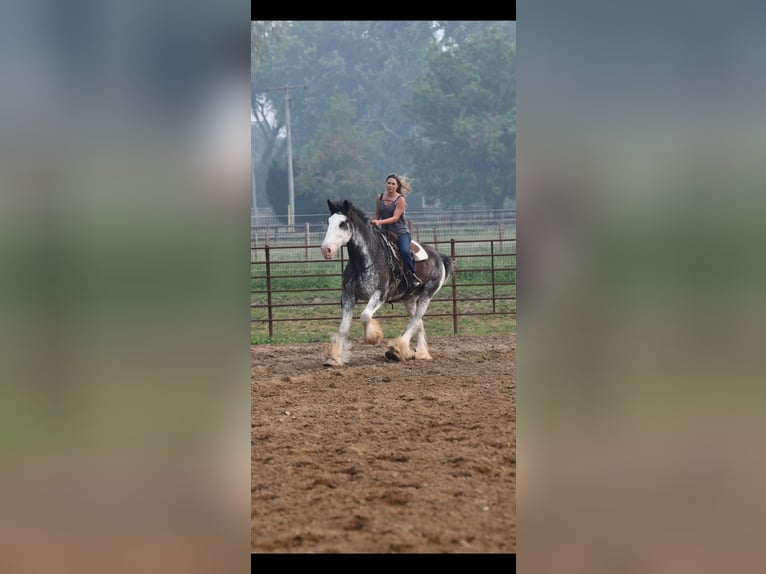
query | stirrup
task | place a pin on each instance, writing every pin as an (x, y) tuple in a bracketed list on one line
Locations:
[(416, 282)]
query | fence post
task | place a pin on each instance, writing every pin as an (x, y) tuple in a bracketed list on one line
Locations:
[(454, 287), (267, 251), (436, 240), (492, 268), (307, 240)]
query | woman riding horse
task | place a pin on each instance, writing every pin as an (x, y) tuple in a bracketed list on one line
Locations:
[(372, 275)]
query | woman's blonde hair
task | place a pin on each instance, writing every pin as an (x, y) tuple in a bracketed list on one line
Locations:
[(405, 183)]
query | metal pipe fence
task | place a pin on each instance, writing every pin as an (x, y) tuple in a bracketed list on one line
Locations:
[(289, 285), (428, 226)]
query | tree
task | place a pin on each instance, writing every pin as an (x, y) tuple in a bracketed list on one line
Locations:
[(464, 107), (338, 163), (373, 63), (277, 189), (265, 37)]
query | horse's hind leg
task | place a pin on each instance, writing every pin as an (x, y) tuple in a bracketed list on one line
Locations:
[(421, 347), (372, 331), (399, 348)]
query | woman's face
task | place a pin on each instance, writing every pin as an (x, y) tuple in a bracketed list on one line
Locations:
[(391, 185)]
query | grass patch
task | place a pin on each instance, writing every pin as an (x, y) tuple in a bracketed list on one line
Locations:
[(393, 326)]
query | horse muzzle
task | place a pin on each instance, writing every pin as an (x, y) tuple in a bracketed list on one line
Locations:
[(328, 252)]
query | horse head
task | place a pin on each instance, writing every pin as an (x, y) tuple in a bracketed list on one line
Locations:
[(338, 229), (338, 207)]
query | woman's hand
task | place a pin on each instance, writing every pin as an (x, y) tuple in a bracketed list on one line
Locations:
[(375, 221)]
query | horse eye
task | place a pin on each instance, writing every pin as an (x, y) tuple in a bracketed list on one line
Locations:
[(343, 225)]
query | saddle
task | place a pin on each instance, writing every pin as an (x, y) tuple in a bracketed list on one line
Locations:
[(423, 265), (418, 253)]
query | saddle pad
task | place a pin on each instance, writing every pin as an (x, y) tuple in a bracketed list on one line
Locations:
[(418, 253)]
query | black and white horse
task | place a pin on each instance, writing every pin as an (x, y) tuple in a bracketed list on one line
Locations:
[(374, 273)]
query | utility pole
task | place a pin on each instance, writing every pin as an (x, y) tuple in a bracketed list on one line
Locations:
[(254, 208), (290, 181)]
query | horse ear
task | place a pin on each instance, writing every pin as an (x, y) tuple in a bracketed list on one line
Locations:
[(332, 206), (345, 206)]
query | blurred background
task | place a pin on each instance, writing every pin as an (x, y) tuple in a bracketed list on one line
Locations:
[(641, 273), (124, 215)]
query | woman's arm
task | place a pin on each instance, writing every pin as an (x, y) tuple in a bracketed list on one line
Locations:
[(400, 205)]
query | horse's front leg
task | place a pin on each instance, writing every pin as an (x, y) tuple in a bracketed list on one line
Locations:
[(339, 350), (372, 331)]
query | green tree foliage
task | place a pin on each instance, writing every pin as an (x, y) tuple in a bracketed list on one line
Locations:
[(455, 32), (373, 63), (265, 37), (465, 108), (336, 165)]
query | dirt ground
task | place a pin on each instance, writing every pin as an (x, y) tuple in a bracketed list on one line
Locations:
[(415, 457)]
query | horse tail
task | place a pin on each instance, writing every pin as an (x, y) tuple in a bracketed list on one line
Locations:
[(449, 267)]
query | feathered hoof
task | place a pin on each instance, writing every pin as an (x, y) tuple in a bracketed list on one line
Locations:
[(373, 333), (391, 355), (423, 354), (337, 353), (398, 351)]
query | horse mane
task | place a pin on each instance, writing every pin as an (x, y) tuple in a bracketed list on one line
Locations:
[(357, 213), (375, 237), (361, 220)]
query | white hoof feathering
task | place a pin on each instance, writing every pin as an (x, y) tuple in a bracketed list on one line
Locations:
[(372, 332), (337, 355), (423, 353), (400, 349)]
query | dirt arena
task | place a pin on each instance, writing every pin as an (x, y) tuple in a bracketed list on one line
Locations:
[(415, 457)]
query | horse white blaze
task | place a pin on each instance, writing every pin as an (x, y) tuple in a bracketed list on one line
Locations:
[(338, 234)]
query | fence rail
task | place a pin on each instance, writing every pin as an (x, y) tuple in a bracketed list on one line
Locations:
[(288, 285), (426, 226)]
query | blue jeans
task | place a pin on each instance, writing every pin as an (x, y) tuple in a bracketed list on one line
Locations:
[(403, 240)]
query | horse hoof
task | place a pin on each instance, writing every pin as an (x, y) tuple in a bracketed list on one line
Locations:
[(391, 355), (330, 363)]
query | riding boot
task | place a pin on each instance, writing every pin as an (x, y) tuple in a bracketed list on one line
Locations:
[(415, 280)]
